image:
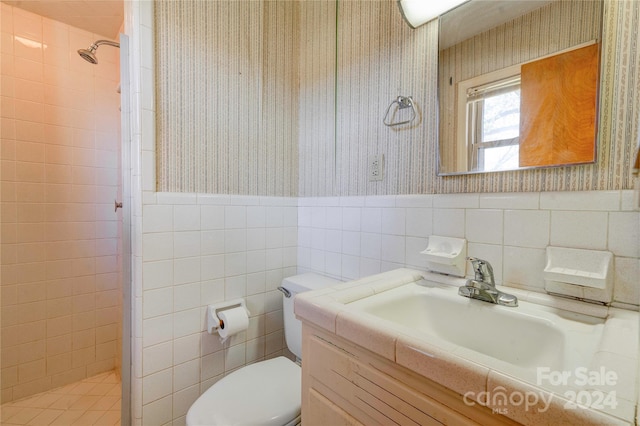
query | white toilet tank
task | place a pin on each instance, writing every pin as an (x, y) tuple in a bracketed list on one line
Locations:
[(298, 284)]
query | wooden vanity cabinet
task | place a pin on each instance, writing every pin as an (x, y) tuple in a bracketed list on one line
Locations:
[(344, 384)]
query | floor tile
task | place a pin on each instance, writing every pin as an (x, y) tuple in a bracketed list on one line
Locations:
[(95, 400), (45, 418)]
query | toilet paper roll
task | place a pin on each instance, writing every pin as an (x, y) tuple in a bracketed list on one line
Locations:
[(232, 321)]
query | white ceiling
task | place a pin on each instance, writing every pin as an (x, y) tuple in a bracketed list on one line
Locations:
[(477, 16), (103, 17)]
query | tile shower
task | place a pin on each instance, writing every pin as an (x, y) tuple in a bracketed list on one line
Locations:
[(61, 305)]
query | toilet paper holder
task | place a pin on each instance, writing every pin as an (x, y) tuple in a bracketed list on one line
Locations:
[(213, 322)]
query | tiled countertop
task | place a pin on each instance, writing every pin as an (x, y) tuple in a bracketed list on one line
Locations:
[(479, 376)]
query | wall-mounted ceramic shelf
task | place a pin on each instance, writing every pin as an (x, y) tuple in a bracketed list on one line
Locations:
[(446, 255)]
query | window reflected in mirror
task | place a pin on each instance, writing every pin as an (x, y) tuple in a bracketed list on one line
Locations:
[(521, 93)]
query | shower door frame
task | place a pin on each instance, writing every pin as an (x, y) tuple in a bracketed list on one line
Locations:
[(127, 203)]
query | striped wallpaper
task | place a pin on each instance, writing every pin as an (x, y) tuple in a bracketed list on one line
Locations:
[(227, 96), (287, 98)]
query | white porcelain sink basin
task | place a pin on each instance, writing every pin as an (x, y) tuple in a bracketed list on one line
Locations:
[(526, 336)]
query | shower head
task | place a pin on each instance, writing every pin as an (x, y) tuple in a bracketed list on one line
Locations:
[(89, 54)]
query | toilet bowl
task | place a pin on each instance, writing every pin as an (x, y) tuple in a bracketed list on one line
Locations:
[(267, 392)]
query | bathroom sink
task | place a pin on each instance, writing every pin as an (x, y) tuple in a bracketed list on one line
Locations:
[(527, 336)]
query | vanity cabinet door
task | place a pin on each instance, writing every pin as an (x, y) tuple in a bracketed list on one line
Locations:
[(324, 412), (341, 388)]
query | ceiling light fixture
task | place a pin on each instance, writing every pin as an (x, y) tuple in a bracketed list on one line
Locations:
[(419, 12)]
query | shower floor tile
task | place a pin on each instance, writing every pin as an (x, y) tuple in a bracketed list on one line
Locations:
[(92, 401)]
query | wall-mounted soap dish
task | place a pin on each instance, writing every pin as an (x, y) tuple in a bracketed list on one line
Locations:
[(585, 274), (446, 255)]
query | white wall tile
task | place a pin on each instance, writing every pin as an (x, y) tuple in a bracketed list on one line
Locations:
[(235, 240), (318, 237), (234, 357), (186, 244), (624, 234), (256, 239), (456, 201), (157, 246), (158, 218), (157, 274), (513, 200), (333, 264), (484, 226), (274, 216), (351, 243), (333, 218), (581, 200), (256, 217), (419, 222), (157, 330), (333, 241), (627, 285), (182, 401), (393, 248), (579, 229), (211, 267), (369, 266), (371, 245), (186, 322), (235, 264), (372, 219), (186, 296), (318, 217), (186, 349), (350, 267), (414, 245), (157, 302), (351, 219), (186, 217), (274, 259), (527, 228), (524, 266), (212, 364), (449, 223), (212, 217), (187, 270), (158, 412), (212, 242), (235, 217), (186, 374), (414, 201), (211, 291), (393, 221), (157, 358), (176, 197), (235, 287), (156, 386), (256, 261)]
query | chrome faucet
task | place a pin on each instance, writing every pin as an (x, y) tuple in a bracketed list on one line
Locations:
[(483, 286)]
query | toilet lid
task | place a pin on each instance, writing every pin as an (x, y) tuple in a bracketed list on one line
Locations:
[(264, 393)]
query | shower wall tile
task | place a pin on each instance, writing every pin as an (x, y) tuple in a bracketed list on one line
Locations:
[(60, 237)]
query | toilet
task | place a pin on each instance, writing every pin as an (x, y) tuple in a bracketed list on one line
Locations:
[(267, 392)]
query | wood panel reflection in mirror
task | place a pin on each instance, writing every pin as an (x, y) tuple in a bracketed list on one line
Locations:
[(488, 118)]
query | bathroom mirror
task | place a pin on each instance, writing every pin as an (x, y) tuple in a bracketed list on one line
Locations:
[(518, 85)]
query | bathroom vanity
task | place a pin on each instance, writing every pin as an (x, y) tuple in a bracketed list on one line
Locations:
[(396, 348)]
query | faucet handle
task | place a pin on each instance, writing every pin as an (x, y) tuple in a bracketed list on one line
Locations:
[(483, 270)]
